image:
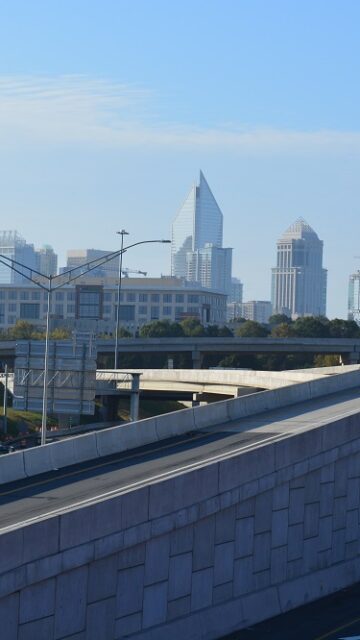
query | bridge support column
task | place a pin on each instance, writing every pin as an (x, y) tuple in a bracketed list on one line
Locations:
[(135, 397), (197, 359)]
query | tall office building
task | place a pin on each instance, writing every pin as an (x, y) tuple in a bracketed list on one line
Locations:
[(14, 247), (46, 260), (211, 267), (299, 280), (197, 235), (354, 297), (77, 257)]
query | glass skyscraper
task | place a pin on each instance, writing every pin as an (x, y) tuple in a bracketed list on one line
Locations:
[(196, 243), (299, 280)]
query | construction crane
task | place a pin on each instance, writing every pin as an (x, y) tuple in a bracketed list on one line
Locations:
[(125, 272)]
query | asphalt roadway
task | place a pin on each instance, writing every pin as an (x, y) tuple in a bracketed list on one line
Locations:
[(336, 617), (53, 493)]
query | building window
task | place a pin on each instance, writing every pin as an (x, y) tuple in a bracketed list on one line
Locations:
[(167, 311), (193, 298), (11, 319), (71, 296), (179, 297), (35, 295), (126, 312), (143, 310), (70, 308), (167, 297), (89, 302), (107, 296), (2, 295), (59, 310), (29, 311), (155, 313), (155, 297), (12, 295), (130, 297), (12, 307), (59, 296), (107, 309), (143, 297), (24, 295)]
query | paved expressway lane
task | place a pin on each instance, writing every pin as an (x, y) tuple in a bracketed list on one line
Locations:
[(53, 493), (336, 617)]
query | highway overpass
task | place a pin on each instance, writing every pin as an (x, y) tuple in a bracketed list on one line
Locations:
[(190, 525), (348, 348)]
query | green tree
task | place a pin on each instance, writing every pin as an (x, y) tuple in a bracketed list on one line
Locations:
[(251, 329), (61, 333), (282, 330), (339, 328), (22, 330), (279, 318), (225, 332), (329, 360), (214, 331), (311, 327), (193, 328), (238, 361), (161, 329)]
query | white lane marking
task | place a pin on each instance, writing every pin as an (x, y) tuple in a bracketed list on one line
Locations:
[(169, 474), (350, 638), (145, 481)]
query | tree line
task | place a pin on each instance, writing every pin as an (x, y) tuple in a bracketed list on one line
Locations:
[(279, 326)]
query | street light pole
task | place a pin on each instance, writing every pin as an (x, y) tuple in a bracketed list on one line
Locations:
[(49, 284), (46, 367), (122, 233)]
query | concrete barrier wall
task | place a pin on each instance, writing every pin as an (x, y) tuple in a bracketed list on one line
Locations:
[(136, 434), (197, 556)]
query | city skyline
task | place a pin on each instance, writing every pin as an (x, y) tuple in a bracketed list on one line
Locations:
[(100, 134), (298, 232)]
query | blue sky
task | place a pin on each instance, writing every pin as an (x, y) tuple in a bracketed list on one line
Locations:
[(109, 109)]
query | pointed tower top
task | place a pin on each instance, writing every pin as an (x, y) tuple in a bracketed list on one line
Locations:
[(298, 229)]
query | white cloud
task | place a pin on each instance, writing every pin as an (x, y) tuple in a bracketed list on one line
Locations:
[(77, 110)]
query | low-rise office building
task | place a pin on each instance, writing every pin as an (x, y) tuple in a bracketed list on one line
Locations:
[(91, 303), (256, 310)]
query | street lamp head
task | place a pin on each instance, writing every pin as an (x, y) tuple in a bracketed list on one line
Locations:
[(123, 232), (166, 241)]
